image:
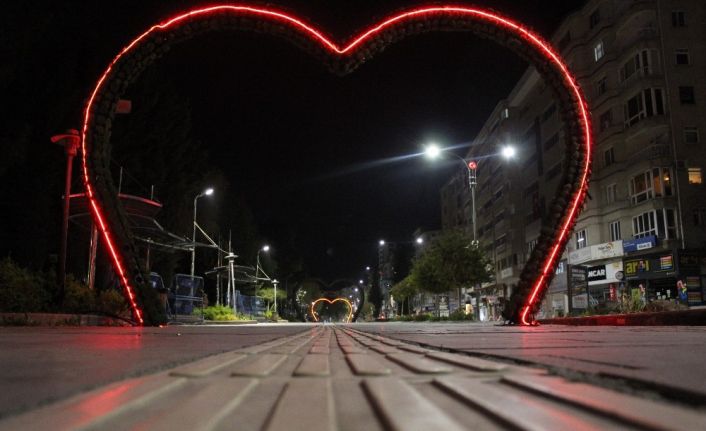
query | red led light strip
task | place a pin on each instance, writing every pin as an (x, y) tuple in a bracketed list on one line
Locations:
[(533, 40), (350, 307)]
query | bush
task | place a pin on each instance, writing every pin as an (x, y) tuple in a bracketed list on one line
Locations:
[(219, 313), (422, 317), (78, 298), (21, 290), (460, 314), (112, 302)]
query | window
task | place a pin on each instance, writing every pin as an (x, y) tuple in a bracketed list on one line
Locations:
[(601, 86), (681, 56), (678, 19), (691, 135), (605, 120), (611, 193), (615, 231), (499, 217), (608, 157), (551, 141), (594, 18), (598, 51), (581, 241), (548, 112), (657, 182), (646, 103), (660, 223), (505, 114), (686, 95), (699, 215), (501, 242), (531, 245), (638, 64), (564, 41), (695, 176)]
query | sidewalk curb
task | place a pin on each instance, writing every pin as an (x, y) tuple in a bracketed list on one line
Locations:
[(58, 319), (662, 318)]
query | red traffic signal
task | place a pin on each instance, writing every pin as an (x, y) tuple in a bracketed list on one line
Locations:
[(472, 164)]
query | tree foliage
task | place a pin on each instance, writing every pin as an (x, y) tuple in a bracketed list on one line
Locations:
[(405, 289), (449, 263)]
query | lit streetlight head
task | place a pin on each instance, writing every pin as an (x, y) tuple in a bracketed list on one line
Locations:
[(266, 248), (381, 242), (420, 240), (367, 268), (208, 191), (359, 282), (432, 151), (508, 151)]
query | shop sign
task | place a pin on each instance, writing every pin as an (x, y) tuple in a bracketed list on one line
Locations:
[(638, 244), (648, 267), (607, 250), (579, 256), (595, 273)]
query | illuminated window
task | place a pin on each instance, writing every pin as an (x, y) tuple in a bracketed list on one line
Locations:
[(695, 176), (581, 240), (657, 182), (598, 51)]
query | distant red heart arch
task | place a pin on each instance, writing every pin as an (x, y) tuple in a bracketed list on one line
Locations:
[(315, 315), (340, 58)]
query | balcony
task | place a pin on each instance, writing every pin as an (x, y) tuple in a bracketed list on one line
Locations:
[(644, 34), (651, 152)]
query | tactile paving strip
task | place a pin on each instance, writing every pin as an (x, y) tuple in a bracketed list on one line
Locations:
[(338, 378)]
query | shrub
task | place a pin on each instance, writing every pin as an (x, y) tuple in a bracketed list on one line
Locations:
[(219, 313), (422, 317), (78, 298), (460, 314), (21, 290), (112, 302)]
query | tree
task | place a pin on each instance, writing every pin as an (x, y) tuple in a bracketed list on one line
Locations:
[(405, 289), (449, 263)]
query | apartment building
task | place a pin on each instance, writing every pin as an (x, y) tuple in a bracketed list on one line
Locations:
[(642, 66)]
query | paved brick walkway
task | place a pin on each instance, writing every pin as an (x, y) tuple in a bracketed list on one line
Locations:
[(342, 378)]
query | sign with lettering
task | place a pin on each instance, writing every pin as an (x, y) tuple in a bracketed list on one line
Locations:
[(596, 273), (649, 267), (637, 244)]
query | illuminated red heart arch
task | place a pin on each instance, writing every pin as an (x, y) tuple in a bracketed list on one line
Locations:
[(315, 315), (340, 58)]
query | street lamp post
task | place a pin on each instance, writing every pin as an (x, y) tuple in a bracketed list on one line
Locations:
[(207, 192), (70, 141), (275, 282), (432, 151)]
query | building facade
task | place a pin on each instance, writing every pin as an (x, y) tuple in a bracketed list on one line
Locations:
[(642, 67)]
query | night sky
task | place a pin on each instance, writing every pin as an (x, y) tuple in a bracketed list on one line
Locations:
[(319, 156)]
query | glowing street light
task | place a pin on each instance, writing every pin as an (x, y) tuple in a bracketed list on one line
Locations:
[(381, 242), (508, 151), (207, 192), (420, 240), (432, 151)]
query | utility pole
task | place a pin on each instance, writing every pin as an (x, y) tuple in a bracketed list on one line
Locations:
[(70, 140)]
